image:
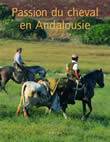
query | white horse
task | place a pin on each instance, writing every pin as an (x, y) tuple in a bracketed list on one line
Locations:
[(37, 94)]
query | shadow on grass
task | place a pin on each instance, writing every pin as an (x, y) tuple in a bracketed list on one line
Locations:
[(37, 112), (6, 113), (103, 120)]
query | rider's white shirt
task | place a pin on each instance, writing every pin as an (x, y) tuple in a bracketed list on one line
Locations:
[(18, 58), (75, 66)]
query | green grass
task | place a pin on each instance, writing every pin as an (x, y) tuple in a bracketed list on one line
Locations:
[(54, 128)]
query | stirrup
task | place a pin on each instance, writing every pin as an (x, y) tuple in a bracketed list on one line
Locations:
[(85, 99)]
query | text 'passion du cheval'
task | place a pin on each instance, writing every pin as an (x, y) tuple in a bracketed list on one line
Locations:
[(56, 13)]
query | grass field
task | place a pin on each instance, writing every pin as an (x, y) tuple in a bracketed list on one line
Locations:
[(53, 128)]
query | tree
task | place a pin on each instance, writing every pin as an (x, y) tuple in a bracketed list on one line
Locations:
[(5, 12)]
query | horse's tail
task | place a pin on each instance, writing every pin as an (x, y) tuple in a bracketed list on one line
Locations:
[(21, 98)]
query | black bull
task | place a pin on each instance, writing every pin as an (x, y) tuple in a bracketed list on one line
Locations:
[(89, 82), (7, 73)]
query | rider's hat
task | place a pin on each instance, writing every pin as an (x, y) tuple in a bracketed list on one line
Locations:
[(74, 56)]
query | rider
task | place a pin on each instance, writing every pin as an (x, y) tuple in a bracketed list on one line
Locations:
[(72, 68), (19, 65), (18, 61), (73, 72)]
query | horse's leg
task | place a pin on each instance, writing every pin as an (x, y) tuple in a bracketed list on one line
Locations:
[(64, 112), (26, 106), (18, 110), (65, 115), (19, 106), (3, 83), (84, 110), (26, 109), (90, 108), (26, 115)]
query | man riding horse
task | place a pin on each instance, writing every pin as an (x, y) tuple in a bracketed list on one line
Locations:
[(73, 73), (18, 61), (20, 73), (72, 69), (20, 69)]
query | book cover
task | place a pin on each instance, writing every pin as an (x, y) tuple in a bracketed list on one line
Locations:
[(54, 70)]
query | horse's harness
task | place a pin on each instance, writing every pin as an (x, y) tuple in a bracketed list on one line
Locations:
[(77, 88)]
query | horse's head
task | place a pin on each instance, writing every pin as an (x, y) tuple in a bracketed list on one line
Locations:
[(96, 76), (100, 78)]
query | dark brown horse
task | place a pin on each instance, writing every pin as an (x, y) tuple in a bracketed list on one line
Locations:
[(9, 72), (69, 92)]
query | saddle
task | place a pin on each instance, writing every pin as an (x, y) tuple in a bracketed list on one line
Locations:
[(50, 84), (20, 74), (53, 85), (17, 67)]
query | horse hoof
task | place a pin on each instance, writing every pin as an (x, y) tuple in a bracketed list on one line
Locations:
[(65, 116)]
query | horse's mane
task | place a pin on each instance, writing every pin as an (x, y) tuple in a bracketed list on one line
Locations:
[(89, 74)]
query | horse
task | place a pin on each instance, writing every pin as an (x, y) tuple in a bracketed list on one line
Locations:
[(9, 72), (37, 94), (70, 92)]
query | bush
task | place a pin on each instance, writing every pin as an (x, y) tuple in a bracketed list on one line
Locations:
[(98, 34), (91, 20), (28, 31), (5, 12), (9, 27), (107, 21), (13, 30), (40, 33)]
